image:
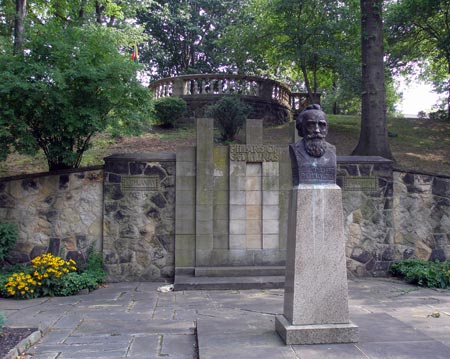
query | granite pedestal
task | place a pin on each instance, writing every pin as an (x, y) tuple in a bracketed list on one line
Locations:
[(316, 293)]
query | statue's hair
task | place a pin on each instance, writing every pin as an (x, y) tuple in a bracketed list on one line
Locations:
[(300, 117)]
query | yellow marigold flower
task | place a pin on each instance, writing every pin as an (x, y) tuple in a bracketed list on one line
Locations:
[(32, 291), (45, 275), (27, 289), (22, 292)]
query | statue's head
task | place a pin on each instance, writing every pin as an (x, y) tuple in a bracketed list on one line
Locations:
[(312, 125)]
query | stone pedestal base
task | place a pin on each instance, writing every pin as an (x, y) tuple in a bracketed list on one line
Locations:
[(316, 333), (316, 293)]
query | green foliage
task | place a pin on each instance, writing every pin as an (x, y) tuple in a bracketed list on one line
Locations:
[(230, 113), (50, 275), (169, 110), (182, 36), (425, 274), (70, 83), (8, 238), (2, 321)]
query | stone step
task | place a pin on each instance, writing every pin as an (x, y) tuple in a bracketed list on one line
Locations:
[(189, 282), (242, 271)]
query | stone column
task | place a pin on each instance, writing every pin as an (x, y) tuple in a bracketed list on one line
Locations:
[(316, 293)]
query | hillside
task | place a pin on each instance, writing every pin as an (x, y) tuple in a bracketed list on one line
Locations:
[(418, 145)]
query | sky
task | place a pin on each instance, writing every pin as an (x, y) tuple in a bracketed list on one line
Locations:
[(417, 96)]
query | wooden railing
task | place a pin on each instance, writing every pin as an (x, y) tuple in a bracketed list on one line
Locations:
[(223, 84)]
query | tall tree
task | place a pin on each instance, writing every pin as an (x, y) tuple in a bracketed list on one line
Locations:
[(419, 31), (19, 24), (182, 35), (306, 42), (373, 138)]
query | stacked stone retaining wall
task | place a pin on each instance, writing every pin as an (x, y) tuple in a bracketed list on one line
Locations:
[(128, 213)]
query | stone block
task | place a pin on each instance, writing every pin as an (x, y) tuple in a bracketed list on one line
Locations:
[(253, 183), (270, 183), (204, 227), (221, 154), (204, 241), (238, 183), (220, 226), (254, 241), (271, 241), (271, 198), (237, 197), (253, 132), (221, 197), (422, 251), (221, 212), (271, 212), (316, 334), (270, 169), (221, 241), (204, 212), (254, 169), (237, 226), (253, 197), (238, 168), (253, 212), (185, 183), (185, 258), (237, 241), (184, 226), (271, 226), (185, 212), (253, 227), (221, 183), (186, 169), (185, 197), (237, 212)]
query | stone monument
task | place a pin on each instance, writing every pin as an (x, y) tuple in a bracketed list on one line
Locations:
[(316, 292)]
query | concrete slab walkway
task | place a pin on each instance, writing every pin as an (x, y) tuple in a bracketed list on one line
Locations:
[(134, 320)]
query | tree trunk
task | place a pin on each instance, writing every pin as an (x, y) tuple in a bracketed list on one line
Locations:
[(19, 25), (307, 84), (373, 139), (448, 96)]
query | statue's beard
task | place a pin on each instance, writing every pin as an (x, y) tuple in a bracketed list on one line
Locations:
[(315, 145)]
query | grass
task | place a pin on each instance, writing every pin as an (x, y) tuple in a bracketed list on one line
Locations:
[(417, 144)]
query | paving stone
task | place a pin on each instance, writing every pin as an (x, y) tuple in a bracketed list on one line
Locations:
[(145, 346), (412, 350), (347, 351), (178, 346)]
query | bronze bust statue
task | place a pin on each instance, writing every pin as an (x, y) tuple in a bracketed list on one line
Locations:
[(313, 159)]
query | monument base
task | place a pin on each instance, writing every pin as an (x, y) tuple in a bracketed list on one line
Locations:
[(315, 334)]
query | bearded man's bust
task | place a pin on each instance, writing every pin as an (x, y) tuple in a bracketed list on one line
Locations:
[(313, 159)]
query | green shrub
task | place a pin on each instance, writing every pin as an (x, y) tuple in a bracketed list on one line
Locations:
[(230, 113), (169, 110), (425, 274), (8, 239)]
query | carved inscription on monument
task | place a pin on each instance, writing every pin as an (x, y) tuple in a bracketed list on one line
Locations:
[(137, 183), (311, 174), (360, 183), (254, 153)]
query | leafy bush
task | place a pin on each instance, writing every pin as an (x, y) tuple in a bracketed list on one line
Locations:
[(51, 275), (439, 115), (71, 83), (426, 274), (42, 278), (169, 110), (8, 238), (230, 113)]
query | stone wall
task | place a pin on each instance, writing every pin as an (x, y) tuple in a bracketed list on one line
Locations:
[(60, 213), (128, 212), (139, 216), (422, 216)]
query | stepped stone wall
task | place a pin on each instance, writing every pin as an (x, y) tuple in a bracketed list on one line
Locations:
[(127, 211)]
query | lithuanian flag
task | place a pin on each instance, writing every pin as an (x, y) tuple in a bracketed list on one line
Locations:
[(135, 54)]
